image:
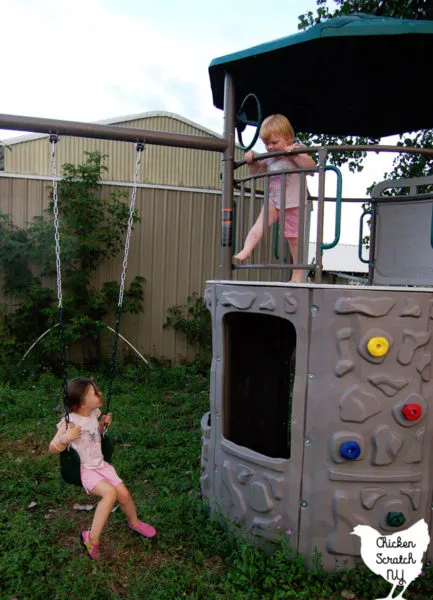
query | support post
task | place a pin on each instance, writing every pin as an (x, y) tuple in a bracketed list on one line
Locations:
[(320, 215), (227, 179)]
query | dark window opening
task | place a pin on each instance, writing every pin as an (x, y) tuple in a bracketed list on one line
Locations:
[(258, 378)]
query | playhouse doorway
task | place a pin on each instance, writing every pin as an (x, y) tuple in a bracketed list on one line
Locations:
[(259, 370)]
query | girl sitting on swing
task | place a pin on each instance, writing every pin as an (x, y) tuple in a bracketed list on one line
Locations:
[(83, 433)]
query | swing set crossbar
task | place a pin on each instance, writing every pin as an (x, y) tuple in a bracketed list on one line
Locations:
[(112, 132)]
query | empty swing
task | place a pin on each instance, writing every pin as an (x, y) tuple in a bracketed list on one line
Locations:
[(70, 464)]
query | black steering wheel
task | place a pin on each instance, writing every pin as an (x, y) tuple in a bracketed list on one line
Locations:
[(242, 121)]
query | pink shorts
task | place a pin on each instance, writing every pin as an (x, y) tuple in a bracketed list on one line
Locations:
[(291, 222), (91, 477)]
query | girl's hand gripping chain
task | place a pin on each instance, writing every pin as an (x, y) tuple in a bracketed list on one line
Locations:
[(72, 433), (106, 420), (64, 437)]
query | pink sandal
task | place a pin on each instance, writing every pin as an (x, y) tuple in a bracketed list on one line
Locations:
[(92, 549), (144, 529)]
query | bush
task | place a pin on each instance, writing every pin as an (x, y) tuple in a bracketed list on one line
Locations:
[(194, 321), (92, 231)]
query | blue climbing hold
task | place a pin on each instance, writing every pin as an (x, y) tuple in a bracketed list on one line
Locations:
[(350, 450)]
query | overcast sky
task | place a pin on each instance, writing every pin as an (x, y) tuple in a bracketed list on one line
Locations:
[(94, 59), (88, 60)]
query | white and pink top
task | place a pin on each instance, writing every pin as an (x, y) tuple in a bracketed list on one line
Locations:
[(88, 445), (293, 180)]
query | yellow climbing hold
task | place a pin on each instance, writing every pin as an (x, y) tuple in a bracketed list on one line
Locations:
[(378, 346)]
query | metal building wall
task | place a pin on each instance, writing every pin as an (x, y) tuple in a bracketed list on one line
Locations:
[(161, 164), (176, 248)]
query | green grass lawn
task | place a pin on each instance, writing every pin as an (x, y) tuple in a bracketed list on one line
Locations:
[(156, 424)]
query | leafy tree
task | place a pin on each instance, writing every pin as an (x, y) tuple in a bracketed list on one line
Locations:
[(404, 165), (92, 230), (404, 9)]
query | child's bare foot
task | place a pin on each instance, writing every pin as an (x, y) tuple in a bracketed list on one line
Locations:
[(242, 255), (296, 277)]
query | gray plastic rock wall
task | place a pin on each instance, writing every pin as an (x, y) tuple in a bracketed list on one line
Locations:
[(357, 447)]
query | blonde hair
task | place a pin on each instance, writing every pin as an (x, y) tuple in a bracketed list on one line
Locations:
[(277, 125)]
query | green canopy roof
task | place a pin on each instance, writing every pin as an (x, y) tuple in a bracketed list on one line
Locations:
[(353, 75)]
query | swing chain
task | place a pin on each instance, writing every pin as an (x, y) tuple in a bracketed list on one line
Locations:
[(53, 141), (139, 150)]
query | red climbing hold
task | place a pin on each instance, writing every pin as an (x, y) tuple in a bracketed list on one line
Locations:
[(412, 412)]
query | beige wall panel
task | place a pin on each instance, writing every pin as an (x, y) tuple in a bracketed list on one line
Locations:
[(155, 275), (172, 269), (6, 195), (176, 245), (23, 199), (160, 164), (38, 198), (146, 206), (19, 201), (164, 123), (173, 248)]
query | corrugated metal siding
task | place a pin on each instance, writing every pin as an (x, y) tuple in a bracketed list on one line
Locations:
[(160, 164), (175, 248), (23, 199)]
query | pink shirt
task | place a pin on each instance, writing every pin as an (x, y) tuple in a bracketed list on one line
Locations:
[(88, 445)]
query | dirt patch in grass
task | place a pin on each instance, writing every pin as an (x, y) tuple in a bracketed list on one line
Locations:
[(214, 563), (117, 540), (26, 446), (123, 553)]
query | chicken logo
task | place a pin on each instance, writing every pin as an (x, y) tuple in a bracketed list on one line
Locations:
[(398, 558)]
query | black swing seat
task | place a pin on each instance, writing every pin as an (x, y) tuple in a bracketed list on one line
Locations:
[(70, 464)]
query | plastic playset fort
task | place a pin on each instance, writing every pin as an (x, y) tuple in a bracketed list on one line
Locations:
[(320, 410)]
